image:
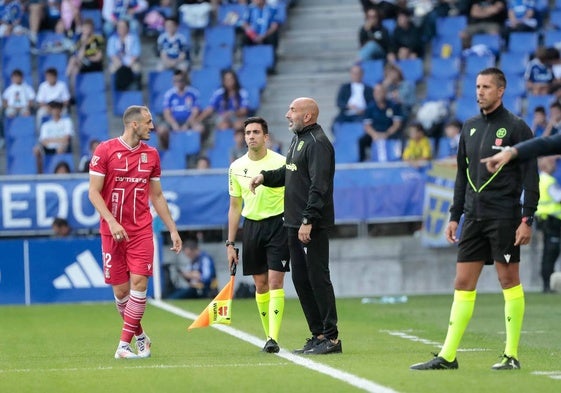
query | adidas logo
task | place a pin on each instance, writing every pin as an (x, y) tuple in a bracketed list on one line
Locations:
[(84, 273)]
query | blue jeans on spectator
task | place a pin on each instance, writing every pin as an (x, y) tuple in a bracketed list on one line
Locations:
[(371, 50)]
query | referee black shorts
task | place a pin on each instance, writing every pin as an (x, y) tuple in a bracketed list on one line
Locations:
[(488, 241), (265, 246)]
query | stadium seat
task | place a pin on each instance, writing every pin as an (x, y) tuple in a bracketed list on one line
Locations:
[(444, 68), (254, 98), (185, 142), (89, 83), (252, 77), (386, 150), (160, 80), (51, 161), (123, 99), (20, 127), (444, 148), (412, 69), (532, 101), (94, 15), (450, 25), (57, 61), (473, 64), (513, 103), (516, 85), (373, 71), (524, 43), (466, 107), (92, 103), (467, 85), (21, 62), (389, 24), (262, 55), (231, 14), (439, 89), (552, 37), (15, 45), (346, 141), (156, 102), (220, 57), (446, 46), (93, 123), (220, 35), (206, 81), (513, 63), (492, 41), (21, 164), (171, 160), (555, 18), (219, 153)]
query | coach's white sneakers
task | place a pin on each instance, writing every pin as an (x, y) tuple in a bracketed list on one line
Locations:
[(125, 352), (143, 345)]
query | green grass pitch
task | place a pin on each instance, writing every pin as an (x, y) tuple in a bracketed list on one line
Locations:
[(69, 348)]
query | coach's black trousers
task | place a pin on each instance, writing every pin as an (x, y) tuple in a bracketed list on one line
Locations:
[(310, 275)]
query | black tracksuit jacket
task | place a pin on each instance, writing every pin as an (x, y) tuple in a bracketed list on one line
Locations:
[(307, 178), (482, 195)]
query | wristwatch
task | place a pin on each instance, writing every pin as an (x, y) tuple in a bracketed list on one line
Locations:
[(306, 221), (230, 243), (528, 220)]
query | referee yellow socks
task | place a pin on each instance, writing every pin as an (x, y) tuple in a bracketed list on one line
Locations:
[(262, 300), (460, 315), (514, 315), (276, 310)]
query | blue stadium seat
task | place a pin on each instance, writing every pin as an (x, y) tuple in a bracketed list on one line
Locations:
[(523, 42), (94, 15), (439, 89), (123, 99), (466, 107), (160, 80), (220, 35), (444, 149), (92, 103), (446, 46), (450, 25), (258, 55), (444, 68), (373, 71), (516, 85), (473, 64), (346, 141), (532, 101), (156, 102), (492, 41), (252, 77), (89, 83), (389, 24), (206, 80), (21, 163), (219, 153), (51, 161), (513, 63), (552, 37), (412, 69), (254, 98), (20, 127), (513, 103), (15, 45), (21, 62), (94, 123), (467, 85), (555, 18), (172, 160), (185, 142), (220, 57), (57, 61), (386, 150)]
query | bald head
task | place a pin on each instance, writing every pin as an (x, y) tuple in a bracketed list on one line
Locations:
[(303, 111)]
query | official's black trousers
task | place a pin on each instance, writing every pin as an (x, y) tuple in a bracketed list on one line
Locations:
[(310, 275), (551, 228)]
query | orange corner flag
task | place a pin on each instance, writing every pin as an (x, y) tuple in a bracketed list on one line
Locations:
[(219, 309)]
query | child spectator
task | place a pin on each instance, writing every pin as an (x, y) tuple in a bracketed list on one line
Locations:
[(51, 90), (452, 131), (538, 74), (18, 98), (554, 124), (418, 147), (539, 121), (173, 48)]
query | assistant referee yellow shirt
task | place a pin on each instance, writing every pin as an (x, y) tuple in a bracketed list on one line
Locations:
[(266, 202)]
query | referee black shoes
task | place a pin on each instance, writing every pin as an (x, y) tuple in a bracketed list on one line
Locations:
[(436, 363)]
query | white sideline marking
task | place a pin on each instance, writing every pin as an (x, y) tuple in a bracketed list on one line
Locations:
[(344, 376), (408, 336), (550, 374)]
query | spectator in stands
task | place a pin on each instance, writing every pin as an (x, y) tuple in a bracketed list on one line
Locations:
[(11, 13), (521, 16), (62, 167), (353, 97), (55, 135), (484, 16), (418, 147), (382, 120), (261, 25), (554, 124), (19, 97), (114, 11), (180, 109), (51, 90), (388, 8), (36, 11), (70, 15), (452, 130), (123, 51), (229, 104), (538, 74), (399, 90), (203, 162), (406, 39), (173, 48), (89, 52), (373, 37), (61, 227), (155, 18), (239, 148), (56, 41), (196, 277), (84, 164), (539, 121)]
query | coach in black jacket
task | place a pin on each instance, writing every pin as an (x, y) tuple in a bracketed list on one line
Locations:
[(309, 214)]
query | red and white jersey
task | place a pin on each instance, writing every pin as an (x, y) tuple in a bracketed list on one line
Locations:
[(126, 188)]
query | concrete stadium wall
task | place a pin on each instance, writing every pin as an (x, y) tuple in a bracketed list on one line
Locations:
[(392, 266)]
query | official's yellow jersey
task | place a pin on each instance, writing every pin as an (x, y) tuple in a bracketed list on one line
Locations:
[(267, 201)]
